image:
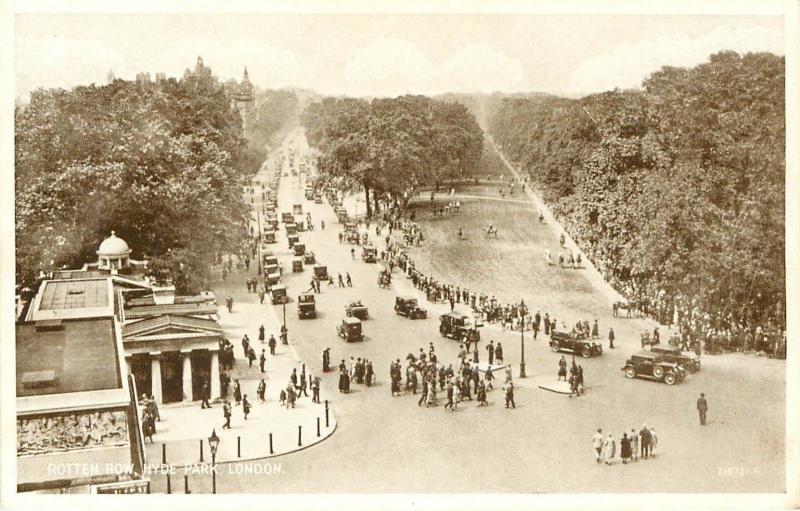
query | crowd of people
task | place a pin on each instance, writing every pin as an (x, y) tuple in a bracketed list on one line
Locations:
[(630, 447), (361, 371)]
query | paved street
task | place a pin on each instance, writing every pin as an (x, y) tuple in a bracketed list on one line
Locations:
[(546, 438)]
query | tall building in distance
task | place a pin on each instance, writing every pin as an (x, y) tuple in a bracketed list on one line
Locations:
[(242, 96)]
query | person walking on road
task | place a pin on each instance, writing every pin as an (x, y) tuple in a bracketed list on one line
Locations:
[(229, 303), (510, 394), (261, 333), (261, 295), (562, 368), (262, 360), (272, 343), (490, 349), (245, 406), (204, 393), (226, 412), (597, 445), (498, 353), (341, 281), (315, 390), (348, 279), (609, 449), (625, 448), (262, 390), (644, 435), (353, 254), (611, 337), (702, 408), (634, 445)]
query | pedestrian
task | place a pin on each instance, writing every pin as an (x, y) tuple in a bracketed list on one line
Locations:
[(262, 360), (326, 360), (625, 448), (481, 395), (341, 281), (424, 395), (204, 393), (315, 390), (510, 394), (353, 254), (245, 406), (498, 353), (562, 368), (490, 349), (272, 343), (609, 449), (597, 444), (634, 445), (262, 390), (293, 378), (229, 303), (237, 392), (702, 408), (449, 404), (226, 412), (303, 386), (283, 397), (261, 334), (261, 295), (644, 440), (251, 356), (611, 338), (348, 279), (489, 377), (653, 441)]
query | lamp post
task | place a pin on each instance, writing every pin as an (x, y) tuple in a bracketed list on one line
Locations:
[(213, 443), (522, 338)]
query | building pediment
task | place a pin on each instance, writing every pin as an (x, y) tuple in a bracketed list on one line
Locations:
[(169, 326)]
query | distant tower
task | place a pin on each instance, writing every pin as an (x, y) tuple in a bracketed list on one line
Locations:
[(110, 77), (243, 98)]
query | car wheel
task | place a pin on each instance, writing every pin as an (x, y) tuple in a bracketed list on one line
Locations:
[(599, 350), (669, 379), (658, 372), (554, 347), (630, 372), (586, 353)]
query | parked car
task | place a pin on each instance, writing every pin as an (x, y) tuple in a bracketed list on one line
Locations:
[(291, 228), (306, 306), (571, 343), (293, 238), (278, 293), (308, 258), (268, 236), (686, 359), (287, 217), (369, 254), (408, 307), (350, 329), (321, 271), (356, 309), (646, 364), (297, 209), (458, 327), (297, 264), (299, 249)]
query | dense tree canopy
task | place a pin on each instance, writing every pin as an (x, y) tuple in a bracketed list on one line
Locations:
[(679, 186), (391, 147), (158, 163)]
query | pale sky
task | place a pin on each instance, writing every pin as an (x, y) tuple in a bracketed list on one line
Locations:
[(382, 54)]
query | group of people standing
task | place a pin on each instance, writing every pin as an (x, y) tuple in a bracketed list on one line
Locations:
[(361, 371), (631, 447)]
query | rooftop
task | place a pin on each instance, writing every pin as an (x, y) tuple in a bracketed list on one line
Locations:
[(58, 357), (73, 298)]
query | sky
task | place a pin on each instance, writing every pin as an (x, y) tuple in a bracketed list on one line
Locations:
[(382, 54)]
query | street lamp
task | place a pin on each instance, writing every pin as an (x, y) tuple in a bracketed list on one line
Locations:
[(213, 443), (522, 338)]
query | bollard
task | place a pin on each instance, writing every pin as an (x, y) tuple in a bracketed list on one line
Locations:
[(327, 422), (270, 444), (299, 435), (238, 447), (201, 450), (169, 484), (163, 454), (186, 483), (318, 432)]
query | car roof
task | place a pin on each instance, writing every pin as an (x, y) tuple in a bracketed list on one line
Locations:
[(644, 354), (278, 286), (351, 321), (406, 298)]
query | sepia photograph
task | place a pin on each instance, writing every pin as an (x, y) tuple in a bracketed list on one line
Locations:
[(500, 257)]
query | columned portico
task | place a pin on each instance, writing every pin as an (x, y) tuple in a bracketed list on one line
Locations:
[(215, 385), (187, 374), (155, 376)]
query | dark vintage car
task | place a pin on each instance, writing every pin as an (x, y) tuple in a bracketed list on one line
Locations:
[(408, 307), (291, 228), (350, 329), (273, 277), (686, 359), (646, 364), (458, 327), (287, 217), (369, 254), (309, 194), (268, 236), (279, 294), (299, 249), (572, 343), (297, 264), (270, 260), (306, 306), (321, 271), (341, 215), (308, 258), (293, 238), (356, 309)]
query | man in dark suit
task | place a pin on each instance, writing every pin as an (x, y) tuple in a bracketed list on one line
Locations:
[(204, 392), (702, 408)]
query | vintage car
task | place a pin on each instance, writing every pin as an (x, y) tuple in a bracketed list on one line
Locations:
[(309, 194), (291, 228), (350, 227), (384, 279), (273, 277), (341, 215), (300, 223), (356, 309), (293, 238), (646, 364), (308, 257), (458, 327), (318, 199), (686, 359), (299, 249), (321, 271), (273, 221), (350, 329), (268, 236), (297, 209), (270, 260), (369, 254), (278, 293), (408, 307), (573, 343), (287, 217), (270, 207), (297, 264), (306, 306)]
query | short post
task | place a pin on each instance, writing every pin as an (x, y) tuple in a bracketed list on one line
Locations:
[(186, 483), (299, 435), (271, 451), (169, 484), (318, 431), (327, 421), (201, 450), (238, 447), (163, 454)]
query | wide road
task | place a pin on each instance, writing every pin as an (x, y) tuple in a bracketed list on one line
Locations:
[(389, 444)]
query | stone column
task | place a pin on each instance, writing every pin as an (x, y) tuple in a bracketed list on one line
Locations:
[(128, 365), (214, 376), (155, 377), (187, 374)]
